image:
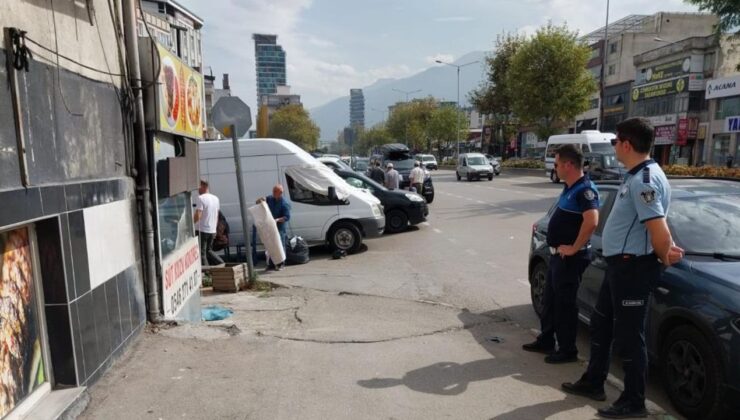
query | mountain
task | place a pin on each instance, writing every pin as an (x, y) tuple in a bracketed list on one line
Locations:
[(439, 81)]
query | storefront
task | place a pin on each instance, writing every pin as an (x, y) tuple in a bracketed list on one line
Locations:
[(617, 106), (175, 124), (724, 97)]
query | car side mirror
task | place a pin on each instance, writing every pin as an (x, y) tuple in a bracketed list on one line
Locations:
[(333, 194)]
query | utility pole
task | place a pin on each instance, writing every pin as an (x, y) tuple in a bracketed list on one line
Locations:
[(457, 122), (605, 52)]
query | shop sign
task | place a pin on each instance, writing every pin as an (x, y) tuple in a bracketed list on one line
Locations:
[(693, 127), (665, 134), (682, 136), (732, 124), (701, 133), (668, 70), (179, 98), (696, 82), (180, 277), (655, 90), (614, 109), (662, 120), (726, 86)]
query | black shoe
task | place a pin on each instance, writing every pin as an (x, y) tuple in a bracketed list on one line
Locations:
[(538, 347), (622, 411), (558, 357), (584, 389)]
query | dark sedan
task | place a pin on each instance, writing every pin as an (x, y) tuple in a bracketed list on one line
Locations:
[(693, 330), (401, 208)]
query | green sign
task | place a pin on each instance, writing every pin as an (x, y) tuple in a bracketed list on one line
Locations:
[(668, 70), (655, 90)]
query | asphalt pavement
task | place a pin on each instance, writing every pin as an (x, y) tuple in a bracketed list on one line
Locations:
[(426, 323)]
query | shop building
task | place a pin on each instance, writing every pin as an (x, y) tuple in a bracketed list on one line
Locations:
[(724, 128)]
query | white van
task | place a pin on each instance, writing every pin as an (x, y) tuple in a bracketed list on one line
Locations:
[(324, 208), (587, 140)]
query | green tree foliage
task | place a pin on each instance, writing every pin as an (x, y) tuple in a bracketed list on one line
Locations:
[(548, 81), (727, 10), (293, 123), (493, 97), (423, 123), (372, 137)]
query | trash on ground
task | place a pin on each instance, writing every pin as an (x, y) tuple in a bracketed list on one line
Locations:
[(215, 313)]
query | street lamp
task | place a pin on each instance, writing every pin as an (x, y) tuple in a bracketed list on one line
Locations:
[(458, 96)]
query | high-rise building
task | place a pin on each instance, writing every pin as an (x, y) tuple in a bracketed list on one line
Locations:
[(270, 65), (356, 108)]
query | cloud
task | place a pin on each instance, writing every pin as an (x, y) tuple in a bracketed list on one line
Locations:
[(454, 19), (432, 59)]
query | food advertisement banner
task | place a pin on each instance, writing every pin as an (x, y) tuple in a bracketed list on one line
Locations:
[(179, 97), (181, 277), (21, 362)]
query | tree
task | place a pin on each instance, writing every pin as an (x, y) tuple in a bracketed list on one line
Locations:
[(373, 137), (442, 128), (548, 81), (409, 121), (293, 123), (494, 97), (727, 10)]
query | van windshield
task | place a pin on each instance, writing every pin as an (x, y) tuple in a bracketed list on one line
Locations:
[(403, 163), (477, 160), (605, 147), (552, 148)]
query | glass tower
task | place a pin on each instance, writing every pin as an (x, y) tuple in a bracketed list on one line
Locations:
[(270, 65)]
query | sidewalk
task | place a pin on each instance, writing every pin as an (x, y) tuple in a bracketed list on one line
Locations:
[(301, 353)]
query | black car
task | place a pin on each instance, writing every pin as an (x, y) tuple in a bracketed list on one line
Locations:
[(400, 156), (400, 207), (693, 329), (603, 166)]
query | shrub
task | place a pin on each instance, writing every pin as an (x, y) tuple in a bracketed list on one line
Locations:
[(523, 163), (708, 171)]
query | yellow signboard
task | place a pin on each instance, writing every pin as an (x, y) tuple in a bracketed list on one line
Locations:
[(655, 90), (179, 97)]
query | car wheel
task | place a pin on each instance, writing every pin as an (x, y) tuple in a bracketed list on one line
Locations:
[(396, 221), (692, 373), (346, 237), (458, 175), (470, 178), (498, 173), (429, 198), (554, 177), (537, 280), (490, 177)]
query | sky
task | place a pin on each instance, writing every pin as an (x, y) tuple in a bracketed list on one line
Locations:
[(335, 45)]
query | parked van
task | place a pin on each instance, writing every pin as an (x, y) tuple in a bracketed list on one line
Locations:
[(587, 140), (324, 208)]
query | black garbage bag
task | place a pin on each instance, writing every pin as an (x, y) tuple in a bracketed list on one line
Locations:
[(296, 250)]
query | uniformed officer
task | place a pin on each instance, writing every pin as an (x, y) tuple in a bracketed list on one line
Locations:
[(636, 240), (568, 235)]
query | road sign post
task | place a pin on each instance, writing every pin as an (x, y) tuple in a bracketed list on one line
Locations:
[(232, 117)]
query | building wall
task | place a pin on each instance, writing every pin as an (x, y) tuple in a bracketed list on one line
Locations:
[(80, 194)]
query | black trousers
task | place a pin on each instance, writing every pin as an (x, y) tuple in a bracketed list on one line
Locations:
[(207, 255), (560, 315), (620, 316)]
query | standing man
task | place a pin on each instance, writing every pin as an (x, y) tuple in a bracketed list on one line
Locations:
[(206, 220), (636, 241), (377, 174), (568, 235), (280, 210), (416, 178), (391, 177)]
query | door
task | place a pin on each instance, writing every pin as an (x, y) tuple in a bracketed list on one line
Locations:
[(310, 211), (24, 363), (588, 292)]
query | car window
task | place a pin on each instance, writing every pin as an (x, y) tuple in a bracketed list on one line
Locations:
[(300, 194), (606, 199), (357, 183), (602, 147), (477, 160), (610, 161), (706, 223)]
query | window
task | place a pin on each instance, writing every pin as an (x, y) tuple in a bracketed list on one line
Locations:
[(175, 219), (593, 103), (616, 99), (708, 63), (612, 69), (613, 47), (358, 183), (606, 197), (300, 194), (727, 107), (595, 52)]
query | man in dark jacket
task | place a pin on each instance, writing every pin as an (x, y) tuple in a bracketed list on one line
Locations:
[(377, 174), (280, 210)]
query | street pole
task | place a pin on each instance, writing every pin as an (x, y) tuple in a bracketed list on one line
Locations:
[(457, 117), (602, 93), (242, 204)]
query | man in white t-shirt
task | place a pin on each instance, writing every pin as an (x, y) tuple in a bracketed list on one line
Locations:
[(206, 220), (416, 178)]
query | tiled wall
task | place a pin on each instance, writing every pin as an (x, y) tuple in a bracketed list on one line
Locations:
[(87, 327)]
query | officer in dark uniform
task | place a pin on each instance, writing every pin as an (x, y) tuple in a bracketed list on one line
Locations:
[(636, 240), (568, 235)]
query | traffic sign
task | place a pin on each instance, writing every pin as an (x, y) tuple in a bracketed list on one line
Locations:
[(228, 111)]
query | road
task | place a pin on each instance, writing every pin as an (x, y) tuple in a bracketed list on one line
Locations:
[(471, 253)]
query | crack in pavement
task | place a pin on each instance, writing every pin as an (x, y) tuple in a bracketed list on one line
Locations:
[(384, 340)]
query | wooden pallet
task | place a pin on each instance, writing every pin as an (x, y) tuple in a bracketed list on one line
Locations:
[(231, 278)]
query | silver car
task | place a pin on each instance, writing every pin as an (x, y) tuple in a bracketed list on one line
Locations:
[(473, 166)]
